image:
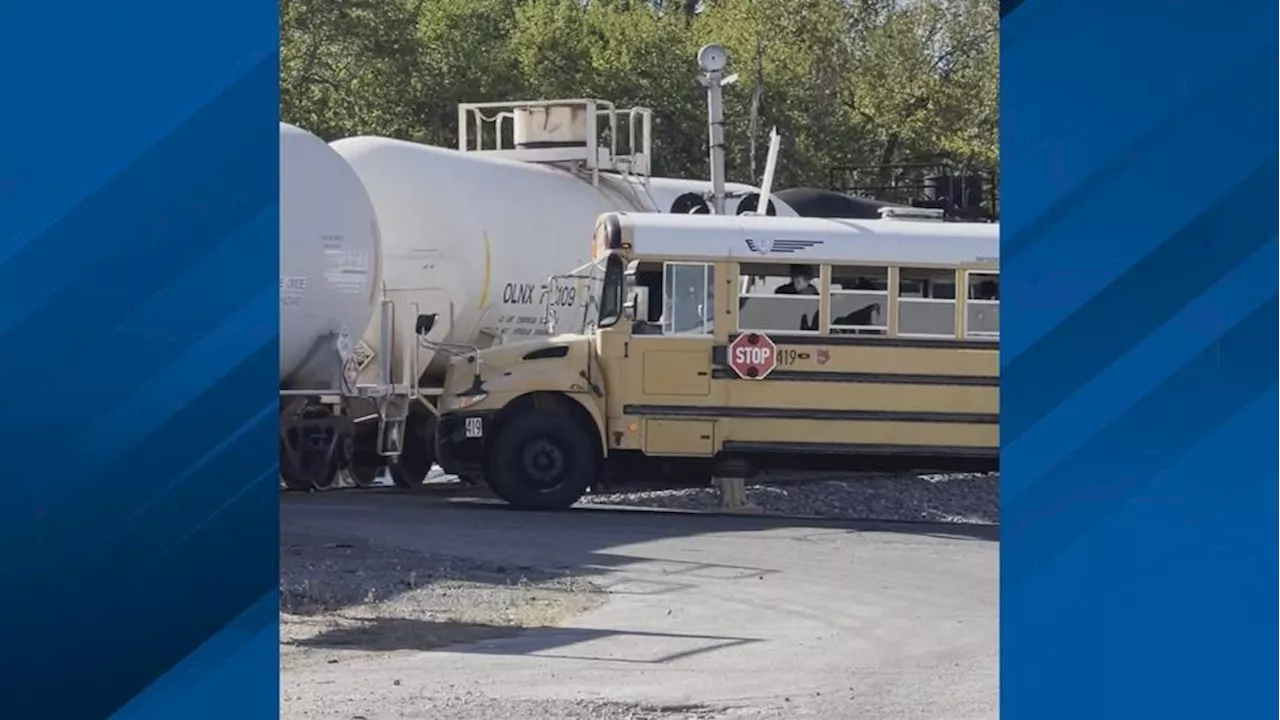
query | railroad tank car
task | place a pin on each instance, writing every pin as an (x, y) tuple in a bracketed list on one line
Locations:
[(474, 237), (330, 257)]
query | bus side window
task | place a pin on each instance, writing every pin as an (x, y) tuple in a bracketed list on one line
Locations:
[(982, 305), (777, 299), (859, 300), (926, 303), (688, 299)]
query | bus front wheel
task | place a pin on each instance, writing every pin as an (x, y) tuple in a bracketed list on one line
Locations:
[(542, 461)]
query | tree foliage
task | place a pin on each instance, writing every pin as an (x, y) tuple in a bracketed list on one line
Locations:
[(847, 82)]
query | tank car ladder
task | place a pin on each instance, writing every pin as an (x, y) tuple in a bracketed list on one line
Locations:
[(393, 399)]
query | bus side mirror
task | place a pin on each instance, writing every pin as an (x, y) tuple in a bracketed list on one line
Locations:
[(424, 324), (637, 305)]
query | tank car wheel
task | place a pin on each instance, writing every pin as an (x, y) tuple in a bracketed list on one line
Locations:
[(542, 461), (410, 469), (311, 451), (311, 472), (366, 462), (293, 479), (364, 476)]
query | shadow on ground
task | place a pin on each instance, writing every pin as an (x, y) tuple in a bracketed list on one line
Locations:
[(385, 571), (385, 634), (397, 634)]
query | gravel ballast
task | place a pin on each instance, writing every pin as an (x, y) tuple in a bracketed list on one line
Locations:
[(955, 498), (970, 498)]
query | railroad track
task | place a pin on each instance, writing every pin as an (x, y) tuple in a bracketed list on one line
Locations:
[(440, 492), (442, 484)]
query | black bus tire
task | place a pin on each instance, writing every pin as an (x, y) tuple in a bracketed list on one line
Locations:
[(542, 461)]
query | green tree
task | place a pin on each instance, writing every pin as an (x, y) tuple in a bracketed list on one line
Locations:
[(790, 56), (925, 83), (847, 82), (466, 57), (350, 67)]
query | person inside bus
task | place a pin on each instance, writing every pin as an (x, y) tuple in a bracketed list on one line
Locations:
[(987, 290), (801, 282)]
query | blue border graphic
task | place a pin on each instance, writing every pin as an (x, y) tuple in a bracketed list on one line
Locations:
[(1139, 183), (138, 328)]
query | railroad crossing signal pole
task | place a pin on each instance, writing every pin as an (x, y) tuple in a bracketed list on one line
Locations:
[(713, 59)]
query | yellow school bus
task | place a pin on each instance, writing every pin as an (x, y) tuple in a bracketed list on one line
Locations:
[(719, 344)]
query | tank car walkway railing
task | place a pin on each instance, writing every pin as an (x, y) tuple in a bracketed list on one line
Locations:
[(580, 131)]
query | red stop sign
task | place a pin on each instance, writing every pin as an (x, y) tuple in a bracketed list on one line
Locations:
[(753, 356)]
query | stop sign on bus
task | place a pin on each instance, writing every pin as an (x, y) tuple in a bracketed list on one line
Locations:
[(753, 356)]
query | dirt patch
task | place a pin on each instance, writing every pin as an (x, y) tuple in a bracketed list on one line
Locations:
[(341, 597)]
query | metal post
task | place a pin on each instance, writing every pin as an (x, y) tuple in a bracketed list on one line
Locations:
[(387, 340), (715, 118), (712, 59), (733, 495), (462, 127), (770, 167)]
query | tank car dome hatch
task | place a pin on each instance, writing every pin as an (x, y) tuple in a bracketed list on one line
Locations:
[(819, 203), (749, 204), (549, 126)]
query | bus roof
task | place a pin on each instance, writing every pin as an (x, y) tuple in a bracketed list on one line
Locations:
[(757, 238)]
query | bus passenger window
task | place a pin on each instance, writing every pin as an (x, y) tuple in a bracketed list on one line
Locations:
[(688, 299), (982, 306), (984, 286), (926, 303), (859, 300), (778, 299)]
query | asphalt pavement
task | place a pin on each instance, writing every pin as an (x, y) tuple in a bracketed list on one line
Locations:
[(708, 616)]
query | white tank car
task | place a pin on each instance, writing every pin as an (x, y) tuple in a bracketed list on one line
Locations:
[(329, 258), (474, 237)]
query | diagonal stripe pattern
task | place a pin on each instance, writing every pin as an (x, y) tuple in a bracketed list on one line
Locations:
[(139, 323), (1139, 173)]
